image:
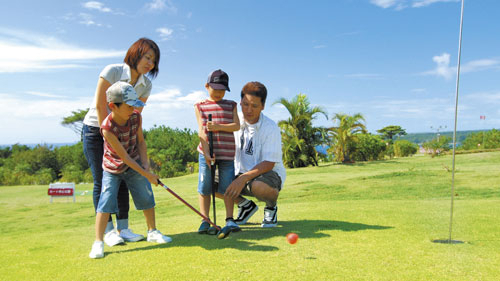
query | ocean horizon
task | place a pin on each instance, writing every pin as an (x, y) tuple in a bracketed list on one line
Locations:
[(31, 145)]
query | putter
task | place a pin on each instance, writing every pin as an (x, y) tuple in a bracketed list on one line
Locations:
[(212, 171), (187, 204)]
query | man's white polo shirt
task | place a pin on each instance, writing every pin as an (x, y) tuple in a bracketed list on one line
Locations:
[(257, 143)]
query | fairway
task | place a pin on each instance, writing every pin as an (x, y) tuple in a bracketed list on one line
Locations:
[(364, 221)]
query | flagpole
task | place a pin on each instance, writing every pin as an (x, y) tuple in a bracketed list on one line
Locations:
[(456, 114), (449, 241)]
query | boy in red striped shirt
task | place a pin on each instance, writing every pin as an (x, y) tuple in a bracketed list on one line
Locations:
[(224, 122), (125, 159)]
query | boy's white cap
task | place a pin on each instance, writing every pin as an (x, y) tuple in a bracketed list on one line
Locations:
[(123, 92)]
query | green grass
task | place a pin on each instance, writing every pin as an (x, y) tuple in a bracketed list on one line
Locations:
[(365, 221)]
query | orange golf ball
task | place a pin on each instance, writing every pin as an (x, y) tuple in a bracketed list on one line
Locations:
[(292, 238)]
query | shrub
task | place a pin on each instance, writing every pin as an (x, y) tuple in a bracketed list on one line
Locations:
[(368, 147), (437, 145), (404, 148)]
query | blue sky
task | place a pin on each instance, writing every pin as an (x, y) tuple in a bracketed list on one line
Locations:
[(394, 61)]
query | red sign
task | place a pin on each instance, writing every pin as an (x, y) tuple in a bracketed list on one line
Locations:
[(60, 191)]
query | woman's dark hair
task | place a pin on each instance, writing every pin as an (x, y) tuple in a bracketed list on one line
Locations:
[(138, 50), (255, 89)]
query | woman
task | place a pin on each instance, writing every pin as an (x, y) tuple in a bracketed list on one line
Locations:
[(141, 61)]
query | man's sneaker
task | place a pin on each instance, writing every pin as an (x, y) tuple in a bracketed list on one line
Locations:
[(112, 238), (157, 237), (270, 217), (97, 251), (245, 212), (204, 226), (129, 236)]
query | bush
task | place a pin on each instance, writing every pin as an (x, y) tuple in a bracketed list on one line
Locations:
[(437, 145), (72, 173), (482, 140), (44, 176), (170, 150), (404, 148), (368, 147)]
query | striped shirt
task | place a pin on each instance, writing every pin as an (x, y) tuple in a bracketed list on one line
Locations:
[(127, 135), (222, 113)]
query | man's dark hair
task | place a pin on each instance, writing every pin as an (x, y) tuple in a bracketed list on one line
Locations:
[(255, 89)]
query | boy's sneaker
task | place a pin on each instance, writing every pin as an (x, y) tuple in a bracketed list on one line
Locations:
[(97, 251), (157, 237), (129, 236), (204, 226), (245, 212), (231, 226), (112, 238), (234, 227), (270, 217)]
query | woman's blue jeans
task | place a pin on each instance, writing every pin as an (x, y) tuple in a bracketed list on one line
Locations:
[(93, 149)]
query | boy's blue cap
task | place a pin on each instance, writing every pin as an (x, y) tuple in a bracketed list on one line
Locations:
[(219, 80), (123, 92)]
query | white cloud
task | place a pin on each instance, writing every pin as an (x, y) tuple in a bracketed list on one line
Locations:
[(160, 5), (41, 116), (479, 65), (423, 3), (443, 68), (418, 90), (173, 98), (488, 98), (172, 108), (43, 112), (46, 95), (364, 75), (402, 4), (165, 33), (88, 20), (94, 5), (22, 51), (384, 3)]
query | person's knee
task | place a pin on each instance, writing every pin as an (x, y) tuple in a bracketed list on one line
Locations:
[(264, 192)]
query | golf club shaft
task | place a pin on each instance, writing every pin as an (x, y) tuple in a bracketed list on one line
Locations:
[(187, 204), (212, 167)]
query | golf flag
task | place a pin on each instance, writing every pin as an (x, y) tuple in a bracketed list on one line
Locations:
[(482, 117)]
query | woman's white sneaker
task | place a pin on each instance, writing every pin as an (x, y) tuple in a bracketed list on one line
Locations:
[(112, 238), (157, 237), (129, 236)]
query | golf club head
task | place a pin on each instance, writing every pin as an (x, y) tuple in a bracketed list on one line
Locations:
[(224, 232), (212, 231)]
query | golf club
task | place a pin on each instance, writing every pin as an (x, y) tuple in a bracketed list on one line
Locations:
[(187, 204), (212, 166)]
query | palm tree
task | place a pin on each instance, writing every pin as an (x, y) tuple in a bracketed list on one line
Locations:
[(292, 146), (345, 133), (298, 134)]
